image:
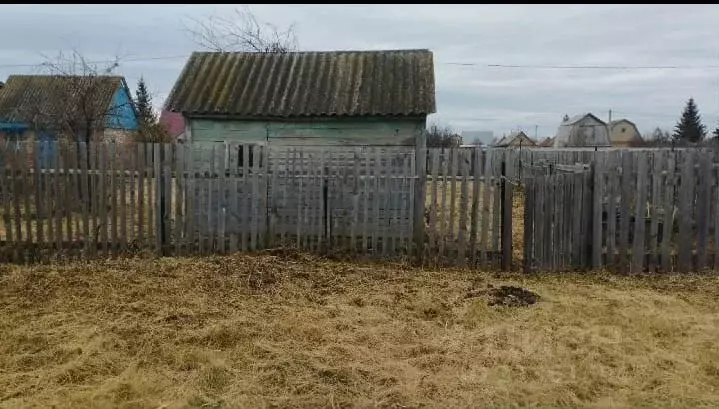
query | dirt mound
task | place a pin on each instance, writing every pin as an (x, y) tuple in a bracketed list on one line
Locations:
[(511, 296)]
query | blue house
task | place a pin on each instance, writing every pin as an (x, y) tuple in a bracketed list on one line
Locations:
[(51, 108)]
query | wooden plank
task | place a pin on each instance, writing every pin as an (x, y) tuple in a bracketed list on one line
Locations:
[(639, 249), (541, 222), (271, 171), (321, 227), (454, 153), (507, 215), (93, 205), (685, 213), (39, 200), (474, 217), (433, 234), (167, 193), (385, 171), (307, 171), (703, 202), (598, 194), (141, 193), (463, 205), (151, 197), (299, 174), (377, 225), (264, 179), (221, 200), (612, 189), (255, 222), (626, 194), (123, 199), (365, 193), (391, 198), (486, 198), (27, 192), (246, 210), (158, 186), (355, 199), (232, 185), (112, 197), (715, 209), (656, 180), (528, 238), (7, 194), (131, 166), (69, 194), (179, 197), (496, 209), (670, 186), (191, 246), (412, 246), (17, 185), (420, 195), (444, 210)]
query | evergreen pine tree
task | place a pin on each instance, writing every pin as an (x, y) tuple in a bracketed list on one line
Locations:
[(716, 133), (144, 103), (690, 127)]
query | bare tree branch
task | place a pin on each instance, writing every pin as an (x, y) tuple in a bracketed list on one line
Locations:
[(79, 105), (241, 32)]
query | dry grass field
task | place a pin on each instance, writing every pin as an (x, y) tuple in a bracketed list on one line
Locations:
[(291, 331)]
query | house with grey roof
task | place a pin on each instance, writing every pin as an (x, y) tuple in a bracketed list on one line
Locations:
[(585, 130), (306, 98), (515, 139)]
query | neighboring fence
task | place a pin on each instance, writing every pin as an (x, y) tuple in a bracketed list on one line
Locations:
[(652, 210)]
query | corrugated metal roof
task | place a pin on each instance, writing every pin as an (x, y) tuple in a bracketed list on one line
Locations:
[(326, 83), (46, 99)]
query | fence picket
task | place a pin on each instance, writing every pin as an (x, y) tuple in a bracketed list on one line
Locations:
[(638, 250), (686, 199)]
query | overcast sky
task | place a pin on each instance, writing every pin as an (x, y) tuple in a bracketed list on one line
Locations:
[(151, 41)]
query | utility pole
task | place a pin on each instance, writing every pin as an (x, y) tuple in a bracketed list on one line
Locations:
[(610, 115), (536, 129)]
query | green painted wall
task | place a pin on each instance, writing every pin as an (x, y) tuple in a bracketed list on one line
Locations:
[(329, 131)]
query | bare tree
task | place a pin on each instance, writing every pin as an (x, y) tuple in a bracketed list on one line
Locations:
[(241, 31), (442, 137), (77, 107)]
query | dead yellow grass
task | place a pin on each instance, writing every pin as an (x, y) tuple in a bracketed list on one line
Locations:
[(271, 331)]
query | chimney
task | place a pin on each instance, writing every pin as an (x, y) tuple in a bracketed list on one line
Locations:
[(566, 118)]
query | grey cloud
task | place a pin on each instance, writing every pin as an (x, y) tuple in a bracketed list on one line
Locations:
[(476, 97)]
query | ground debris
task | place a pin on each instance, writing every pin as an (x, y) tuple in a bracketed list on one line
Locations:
[(512, 296)]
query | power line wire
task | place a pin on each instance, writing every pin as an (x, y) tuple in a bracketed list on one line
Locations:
[(558, 67), (102, 61), (590, 67)]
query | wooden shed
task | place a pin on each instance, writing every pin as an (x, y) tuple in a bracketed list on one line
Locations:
[(325, 98)]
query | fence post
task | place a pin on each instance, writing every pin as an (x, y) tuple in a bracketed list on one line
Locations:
[(420, 150), (506, 213)]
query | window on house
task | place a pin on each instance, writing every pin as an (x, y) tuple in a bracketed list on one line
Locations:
[(624, 129), (251, 150)]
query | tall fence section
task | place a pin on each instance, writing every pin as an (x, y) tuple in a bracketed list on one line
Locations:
[(535, 210)]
